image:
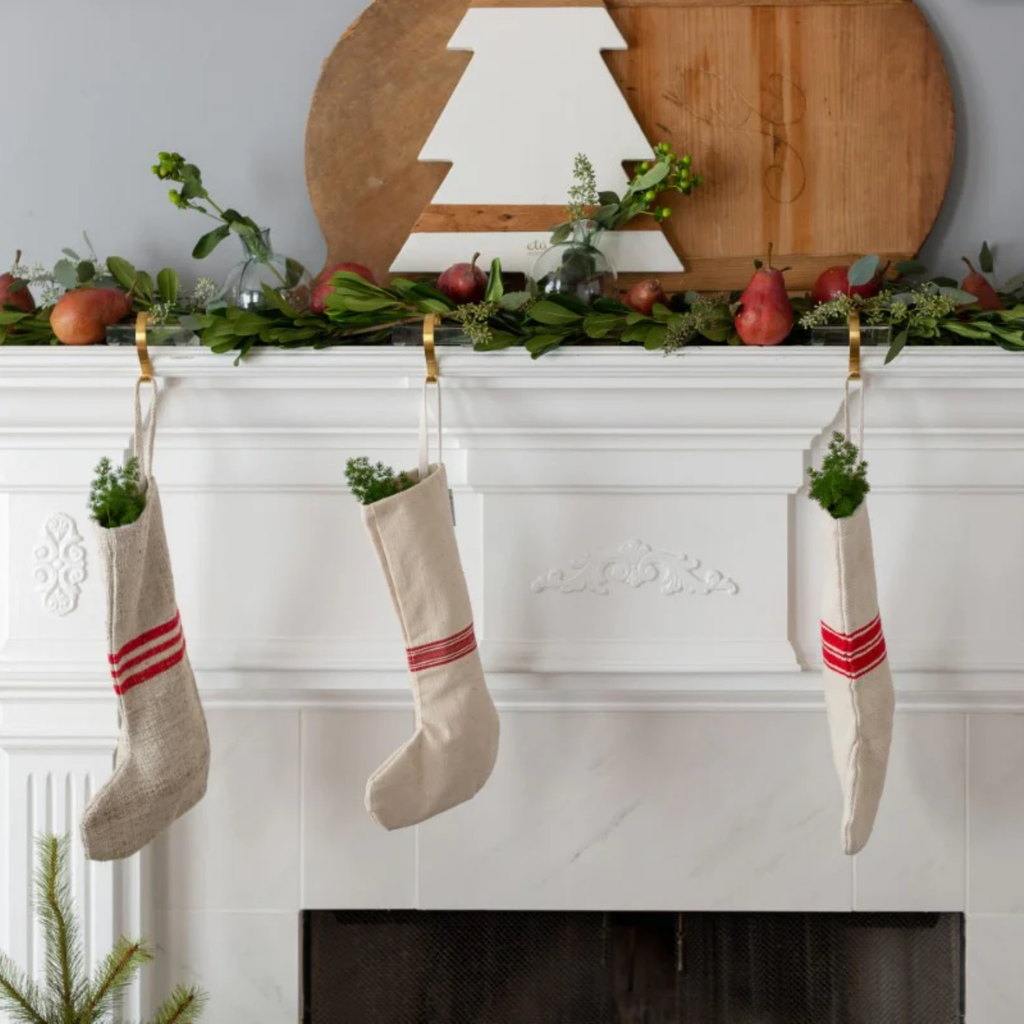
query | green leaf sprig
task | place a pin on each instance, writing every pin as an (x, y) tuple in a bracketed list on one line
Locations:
[(193, 195), (371, 482), (116, 498), (841, 484), (667, 172)]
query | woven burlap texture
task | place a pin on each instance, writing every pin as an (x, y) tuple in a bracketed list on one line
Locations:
[(163, 752)]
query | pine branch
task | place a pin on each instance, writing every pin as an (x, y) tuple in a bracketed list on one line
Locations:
[(115, 974), (370, 483), (183, 1007), (19, 995), (64, 957)]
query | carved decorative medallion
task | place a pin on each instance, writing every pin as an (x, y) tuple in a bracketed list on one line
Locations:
[(635, 564), (59, 564)]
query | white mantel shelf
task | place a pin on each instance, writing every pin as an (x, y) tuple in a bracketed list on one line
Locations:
[(959, 366), (702, 453)]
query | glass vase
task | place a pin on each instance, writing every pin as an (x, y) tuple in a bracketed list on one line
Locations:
[(261, 268), (577, 266)]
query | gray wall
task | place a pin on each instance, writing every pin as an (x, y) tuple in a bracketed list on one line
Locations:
[(92, 90)]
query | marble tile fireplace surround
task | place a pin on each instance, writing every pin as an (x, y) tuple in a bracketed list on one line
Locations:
[(644, 566)]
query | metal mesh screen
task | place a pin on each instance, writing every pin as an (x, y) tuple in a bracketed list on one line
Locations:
[(411, 967)]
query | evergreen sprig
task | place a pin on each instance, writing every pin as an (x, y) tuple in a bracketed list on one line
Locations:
[(66, 994), (371, 482), (842, 482), (116, 498)]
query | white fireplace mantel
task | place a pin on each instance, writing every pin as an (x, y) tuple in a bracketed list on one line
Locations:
[(572, 476)]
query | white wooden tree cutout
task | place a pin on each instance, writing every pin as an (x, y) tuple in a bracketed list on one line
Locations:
[(536, 93)]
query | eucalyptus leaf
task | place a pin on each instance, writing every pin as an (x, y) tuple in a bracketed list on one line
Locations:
[(275, 300), (514, 301), (65, 274), (864, 270), (661, 313), (122, 272), (944, 282), (541, 343), (554, 315), (962, 298), (144, 286), (168, 285), (71, 254), (561, 233), (85, 271), (498, 340), (210, 241), (600, 325), (967, 330), (1015, 283), (897, 346), (293, 272), (608, 198), (986, 260), (655, 176)]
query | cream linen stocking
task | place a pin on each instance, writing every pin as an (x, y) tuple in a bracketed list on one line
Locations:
[(857, 681), (455, 745), (163, 752)]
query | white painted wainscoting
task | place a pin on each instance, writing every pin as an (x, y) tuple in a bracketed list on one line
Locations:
[(645, 571)]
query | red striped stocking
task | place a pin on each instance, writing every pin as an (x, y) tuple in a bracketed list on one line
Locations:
[(453, 750), (163, 752), (856, 677)]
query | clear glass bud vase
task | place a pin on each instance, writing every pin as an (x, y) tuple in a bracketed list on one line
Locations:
[(261, 268), (576, 266)]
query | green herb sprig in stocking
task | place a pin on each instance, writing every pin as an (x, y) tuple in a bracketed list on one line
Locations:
[(116, 498), (842, 482), (370, 483)]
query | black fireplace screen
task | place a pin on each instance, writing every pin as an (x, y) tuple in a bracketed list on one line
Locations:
[(419, 967)]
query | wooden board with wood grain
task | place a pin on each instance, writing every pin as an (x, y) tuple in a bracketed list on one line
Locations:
[(825, 129)]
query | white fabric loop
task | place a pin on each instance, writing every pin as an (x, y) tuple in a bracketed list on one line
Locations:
[(145, 431), (860, 411), (424, 465)]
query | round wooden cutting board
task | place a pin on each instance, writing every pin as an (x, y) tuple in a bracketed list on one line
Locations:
[(825, 129)]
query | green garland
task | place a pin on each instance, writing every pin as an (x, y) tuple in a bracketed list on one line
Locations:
[(926, 313)]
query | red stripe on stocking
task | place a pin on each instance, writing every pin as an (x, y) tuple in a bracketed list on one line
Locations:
[(145, 638), (153, 653), (854, 655), (442, 652)]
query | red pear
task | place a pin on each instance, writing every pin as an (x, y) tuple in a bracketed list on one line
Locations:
[(463, 283), (765, 316), (836, 281), (644, 295), (82, 317), (14, 292), (322, 286), (977, 284)]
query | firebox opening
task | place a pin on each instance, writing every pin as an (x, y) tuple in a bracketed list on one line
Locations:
[(511, 967)]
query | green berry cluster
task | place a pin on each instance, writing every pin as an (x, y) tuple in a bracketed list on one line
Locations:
[(681, 178)]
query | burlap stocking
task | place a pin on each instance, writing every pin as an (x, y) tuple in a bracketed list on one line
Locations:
[(455, 745), (163, 752), (858, 684)]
